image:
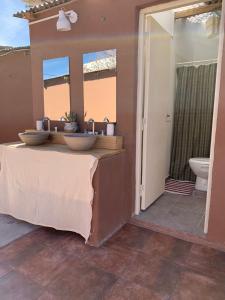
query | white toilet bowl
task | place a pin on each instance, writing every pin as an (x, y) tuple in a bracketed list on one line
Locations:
[(200, 167)]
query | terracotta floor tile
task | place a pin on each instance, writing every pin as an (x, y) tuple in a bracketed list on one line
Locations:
[(58, 237), (167, 278), (47, 296), (15, 256), (111, 260), (150, 243), (143, 240), (135, 264), (71, 245), (180, 251), (206, 260), (43, 266), (4, 269), (15, 286), (28, 244), (198, 287), (125, 290), (131, 237), (154, 273), (144, 270), (81, 281)]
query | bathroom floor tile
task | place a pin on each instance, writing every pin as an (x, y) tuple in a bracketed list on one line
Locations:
[(182, 213)]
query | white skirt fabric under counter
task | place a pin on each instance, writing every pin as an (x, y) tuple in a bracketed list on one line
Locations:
[(47, 185)]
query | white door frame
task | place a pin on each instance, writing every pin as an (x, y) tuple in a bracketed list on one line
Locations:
[(140, 100)]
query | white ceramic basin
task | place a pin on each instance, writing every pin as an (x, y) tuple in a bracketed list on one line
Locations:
[(34, 138), (80, 141)]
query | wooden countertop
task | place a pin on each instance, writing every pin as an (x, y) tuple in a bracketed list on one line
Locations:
[(99, 153), (102, 142)]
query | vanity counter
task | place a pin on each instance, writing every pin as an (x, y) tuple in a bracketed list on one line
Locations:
[(98, 153), (50, 185)]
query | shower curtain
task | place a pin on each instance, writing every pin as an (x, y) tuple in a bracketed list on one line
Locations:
[(192, 118)]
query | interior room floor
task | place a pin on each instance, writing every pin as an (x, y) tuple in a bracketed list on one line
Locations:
[(136, 264), (182, 213)]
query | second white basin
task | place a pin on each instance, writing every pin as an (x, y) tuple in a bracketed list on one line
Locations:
[(80, 141)]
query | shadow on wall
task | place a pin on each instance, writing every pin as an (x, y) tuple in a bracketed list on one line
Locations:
[(16, 93)]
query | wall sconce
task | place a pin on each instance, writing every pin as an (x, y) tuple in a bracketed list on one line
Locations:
[(65, 19), (212, 25)]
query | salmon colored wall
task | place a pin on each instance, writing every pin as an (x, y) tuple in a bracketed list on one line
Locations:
[(16, 112), (56, 101), (111, 24), (217, 209), (100, 99)]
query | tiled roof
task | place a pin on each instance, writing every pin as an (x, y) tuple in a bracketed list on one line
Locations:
[(38, 8), (4, 50), (108, 63)]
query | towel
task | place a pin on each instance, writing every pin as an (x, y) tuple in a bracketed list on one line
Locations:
[(47, 185)]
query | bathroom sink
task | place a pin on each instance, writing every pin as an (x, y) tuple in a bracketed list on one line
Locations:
[(80, 141), (34, 138)]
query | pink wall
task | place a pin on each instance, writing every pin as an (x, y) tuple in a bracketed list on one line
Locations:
[(16, 111), (56, 101), (217, 209), (100, 99), (118, 30)]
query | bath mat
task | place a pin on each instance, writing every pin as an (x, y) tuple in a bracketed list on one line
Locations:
[(179, 187)]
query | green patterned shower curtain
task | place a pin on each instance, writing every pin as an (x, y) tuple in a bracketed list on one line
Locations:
[(192, 118)]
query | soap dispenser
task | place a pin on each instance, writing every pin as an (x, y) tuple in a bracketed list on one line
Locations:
[(110, 127)]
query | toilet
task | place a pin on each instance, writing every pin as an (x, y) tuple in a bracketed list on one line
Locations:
[(200, 167)]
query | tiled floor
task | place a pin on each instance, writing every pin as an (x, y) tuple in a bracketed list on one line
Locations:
[(182, 213), (11, 229), (136, 264)]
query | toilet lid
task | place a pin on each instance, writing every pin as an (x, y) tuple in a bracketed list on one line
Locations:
[(202, 160)]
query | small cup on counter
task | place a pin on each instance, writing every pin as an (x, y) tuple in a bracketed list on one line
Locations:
[(39, 125)]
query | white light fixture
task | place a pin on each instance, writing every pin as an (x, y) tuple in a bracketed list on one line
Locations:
[(73, 16), (212, 25), (65, 20)]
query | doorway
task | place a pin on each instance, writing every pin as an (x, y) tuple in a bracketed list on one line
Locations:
[(157, 93)]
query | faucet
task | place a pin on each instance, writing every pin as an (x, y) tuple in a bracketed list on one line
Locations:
[(92, 121), (106, 121), (49, 122)]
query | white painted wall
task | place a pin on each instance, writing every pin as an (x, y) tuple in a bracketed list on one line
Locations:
[(166, 20), (191, 42)]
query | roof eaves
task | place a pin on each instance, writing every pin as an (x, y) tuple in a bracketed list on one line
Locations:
[(30, 13)]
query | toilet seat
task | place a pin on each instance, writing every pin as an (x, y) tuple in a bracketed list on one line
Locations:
[(200, 160)]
